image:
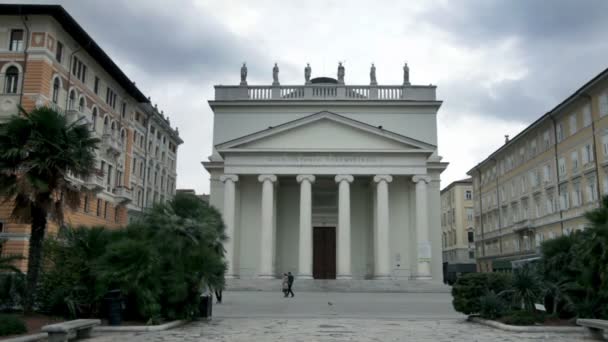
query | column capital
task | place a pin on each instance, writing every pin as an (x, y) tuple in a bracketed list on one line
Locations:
[(271, 178), (342, 178), (233, 178), (421, 178), (301, 178), (380, 178)]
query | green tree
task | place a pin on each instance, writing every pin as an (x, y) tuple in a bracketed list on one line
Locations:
[(38, 150)]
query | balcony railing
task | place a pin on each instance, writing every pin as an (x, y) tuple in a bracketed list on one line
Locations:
[(122, 193), (325, 92), (112, 145)]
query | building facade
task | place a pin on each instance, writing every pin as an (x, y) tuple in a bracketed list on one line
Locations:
[(328, 180), (457, 226), (47, 59), (539, 184)]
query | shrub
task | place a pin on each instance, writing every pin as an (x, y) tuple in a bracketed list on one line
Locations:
[(470, 287), (491, 306), (523, 317), (11, 325), (12, 290)]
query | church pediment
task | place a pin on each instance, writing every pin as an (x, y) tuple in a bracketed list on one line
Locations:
[(325, 131)]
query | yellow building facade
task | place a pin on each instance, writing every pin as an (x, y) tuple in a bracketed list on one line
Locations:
[(539, 184), (457, 227), (47, 59)]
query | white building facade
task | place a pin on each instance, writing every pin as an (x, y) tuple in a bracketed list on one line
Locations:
[(328, 180)]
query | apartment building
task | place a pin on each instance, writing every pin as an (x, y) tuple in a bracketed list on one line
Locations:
[(47, 59), (539, 184), (457, 227)]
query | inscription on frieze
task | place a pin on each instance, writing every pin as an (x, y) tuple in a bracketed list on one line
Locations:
[(320, 159)]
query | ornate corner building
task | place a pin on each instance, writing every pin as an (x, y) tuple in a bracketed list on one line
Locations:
[(47, 59)]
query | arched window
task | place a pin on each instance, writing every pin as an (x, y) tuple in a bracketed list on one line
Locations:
[(113, 129), (11, 79), (122, 136), (94, 118), (72, 99), (106, 125), (81, 105), (56, 85)]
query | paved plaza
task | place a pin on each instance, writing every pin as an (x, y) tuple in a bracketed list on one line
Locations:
[(318, 316)]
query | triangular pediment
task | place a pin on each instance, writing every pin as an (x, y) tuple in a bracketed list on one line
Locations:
[(325, 131)]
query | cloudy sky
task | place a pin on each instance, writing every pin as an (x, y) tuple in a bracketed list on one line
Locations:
[(498, 65)]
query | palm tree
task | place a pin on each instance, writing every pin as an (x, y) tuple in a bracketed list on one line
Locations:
[(38, 150)]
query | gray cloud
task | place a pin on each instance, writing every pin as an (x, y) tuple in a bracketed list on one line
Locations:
[(561, 44)]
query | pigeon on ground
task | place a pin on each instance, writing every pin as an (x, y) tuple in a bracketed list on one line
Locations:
[(330, 303)]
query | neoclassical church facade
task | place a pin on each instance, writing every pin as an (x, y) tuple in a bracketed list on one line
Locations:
[(328, 180)]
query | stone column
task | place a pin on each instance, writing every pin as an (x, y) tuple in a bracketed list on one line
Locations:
[(382, 243), (423, 270), (305, 252), (344, 255), (229, 214), (266, 269)]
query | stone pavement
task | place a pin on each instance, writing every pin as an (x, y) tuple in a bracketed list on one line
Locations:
[(263, 316)]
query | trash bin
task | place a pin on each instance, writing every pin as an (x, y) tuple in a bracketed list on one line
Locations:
[(114, 303), (205, 306)]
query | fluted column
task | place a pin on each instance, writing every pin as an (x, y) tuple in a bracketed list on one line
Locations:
[(266, 268), (423, 270), (229, 215), (344, 254), (382, 243), (305, 252)]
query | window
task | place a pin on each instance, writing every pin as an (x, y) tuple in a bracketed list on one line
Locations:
[(116, 214), (111, 97), (560, 132), (134, 164), (574, 160), (577, 196), (587, 154), (550, 205), (586, 116), (96, 85), (81, 105), (533, 148), (547, 173), (572, 123), (471, 237), (546, 139), (56, 85), (86, 203), (604, 103), (562, 167), (591, 189), (468, 195), (59, 52), (11, 79), (94, 117), (79, 69), (16, 40), (105, 210), (564, 200), (72, 99), (98, 207), (123, 109)]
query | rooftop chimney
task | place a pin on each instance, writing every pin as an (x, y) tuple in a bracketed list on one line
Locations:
[(506, 138)]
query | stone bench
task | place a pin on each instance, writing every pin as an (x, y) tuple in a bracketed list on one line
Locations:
[(595, 327), (60, 332)]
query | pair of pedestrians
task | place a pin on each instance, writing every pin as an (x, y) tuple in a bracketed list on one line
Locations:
[(288, 284)]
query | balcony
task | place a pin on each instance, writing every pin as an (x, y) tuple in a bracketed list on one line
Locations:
[(112, 145), (96, 181), (122, 193)]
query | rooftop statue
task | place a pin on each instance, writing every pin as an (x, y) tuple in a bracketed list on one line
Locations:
[(406, 74), (307, 72), (275, 74), (372, 75), (340, 73), (244, 74)]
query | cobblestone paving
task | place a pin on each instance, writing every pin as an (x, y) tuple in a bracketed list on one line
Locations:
[(337, 329)]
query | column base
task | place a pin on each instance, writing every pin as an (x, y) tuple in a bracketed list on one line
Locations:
[(231, 276), (423, 277), (266, 276), (344, 277), (304, 276)]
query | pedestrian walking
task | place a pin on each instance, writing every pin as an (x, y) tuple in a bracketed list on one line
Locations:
[(285, 284), (290, 280)]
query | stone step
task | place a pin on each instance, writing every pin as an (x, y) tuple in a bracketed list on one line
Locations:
[(340, 285)]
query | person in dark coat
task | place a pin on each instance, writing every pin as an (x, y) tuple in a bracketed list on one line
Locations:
[(289, 284)]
